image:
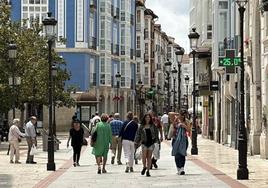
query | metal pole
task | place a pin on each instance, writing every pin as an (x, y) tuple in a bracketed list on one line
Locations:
[(187, 104), (51, 164), (117, 101), (168, 100), (179, 87), (54, 111), (13, 88), (194, 150), (242, 171), (174, 96)]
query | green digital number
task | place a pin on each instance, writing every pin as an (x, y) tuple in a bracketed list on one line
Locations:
[(237, 61), (226, 61)]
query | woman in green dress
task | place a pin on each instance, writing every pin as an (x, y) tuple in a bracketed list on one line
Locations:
[(103, 141)]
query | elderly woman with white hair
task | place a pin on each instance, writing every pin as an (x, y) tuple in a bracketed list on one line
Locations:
[(14, 136)]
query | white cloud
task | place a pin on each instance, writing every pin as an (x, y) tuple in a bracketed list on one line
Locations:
[(174, 18)]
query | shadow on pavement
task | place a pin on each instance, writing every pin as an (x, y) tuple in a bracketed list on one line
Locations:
[(5, 180)]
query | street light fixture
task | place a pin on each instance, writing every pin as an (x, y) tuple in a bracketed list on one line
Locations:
[(12, 54), (187, 79), (49, 24), (179, 56), (174, 73), (168, 67), (117, 77), (242, 171), (194, 36)]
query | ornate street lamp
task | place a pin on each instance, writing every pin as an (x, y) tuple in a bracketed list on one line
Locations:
[(242, 171), (49, 24), (194, 36), (174, 73), (118, 78), (12, 54), (179, 56), (168, 67), (187, 79)]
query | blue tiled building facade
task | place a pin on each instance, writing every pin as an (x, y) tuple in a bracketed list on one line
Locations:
[(100, 41)]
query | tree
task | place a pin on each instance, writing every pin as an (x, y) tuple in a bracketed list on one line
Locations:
[(31, 65)]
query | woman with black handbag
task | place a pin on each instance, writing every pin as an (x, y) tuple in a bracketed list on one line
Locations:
[(77, 135)]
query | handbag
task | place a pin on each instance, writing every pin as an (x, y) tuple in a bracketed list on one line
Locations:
[(33, 150), (180, 144), (138, 153), (19, 139), (93, 138)]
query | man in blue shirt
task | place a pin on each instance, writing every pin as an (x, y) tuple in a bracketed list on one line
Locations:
[(116, 126)]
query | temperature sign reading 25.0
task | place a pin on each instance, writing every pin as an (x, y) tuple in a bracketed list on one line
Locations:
[(229, 61)]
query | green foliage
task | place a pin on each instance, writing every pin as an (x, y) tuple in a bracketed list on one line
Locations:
[(31, 65)]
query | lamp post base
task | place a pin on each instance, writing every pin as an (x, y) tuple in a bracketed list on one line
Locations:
[(242, 173), (51, 166), (194, 151)]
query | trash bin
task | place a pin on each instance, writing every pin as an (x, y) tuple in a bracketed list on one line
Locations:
[(45, 141)]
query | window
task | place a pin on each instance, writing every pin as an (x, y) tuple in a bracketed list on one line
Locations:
[(31, 9), (44, 1), (25, 8), (44, 9), (31, 1), (223, 5), (102, 7), (25, 1), (138, 67), (138, 42), (37, 1), (138, 16), (123, 16), (37, 9), (146, 48)]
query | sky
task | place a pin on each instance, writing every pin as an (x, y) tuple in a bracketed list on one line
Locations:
[(174, 18)]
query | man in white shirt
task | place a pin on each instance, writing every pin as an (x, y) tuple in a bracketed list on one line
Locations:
[(165, 122), (31, 138), (13, 138)]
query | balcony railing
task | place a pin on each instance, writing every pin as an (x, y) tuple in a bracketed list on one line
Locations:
[(92, 43)]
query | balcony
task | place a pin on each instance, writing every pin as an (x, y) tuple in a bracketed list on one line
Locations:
[(131, 53), (158, 66), (92, 43), (93, 4), (115, 49)]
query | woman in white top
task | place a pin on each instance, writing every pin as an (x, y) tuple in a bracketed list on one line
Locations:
[(13, 138)]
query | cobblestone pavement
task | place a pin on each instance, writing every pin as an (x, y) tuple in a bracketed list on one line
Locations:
[(215, 166)]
